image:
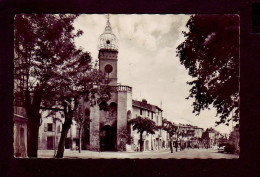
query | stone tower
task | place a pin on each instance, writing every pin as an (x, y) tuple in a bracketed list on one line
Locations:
[(108, 129), (108, 50)]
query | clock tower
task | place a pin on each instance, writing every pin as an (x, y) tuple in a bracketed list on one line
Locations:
[(108, 128), (108, 50)]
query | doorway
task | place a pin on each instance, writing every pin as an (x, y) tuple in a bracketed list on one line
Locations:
[(67, 143), (50, 140), (107, 138)]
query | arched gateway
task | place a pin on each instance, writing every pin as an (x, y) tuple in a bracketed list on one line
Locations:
[(107, 138)]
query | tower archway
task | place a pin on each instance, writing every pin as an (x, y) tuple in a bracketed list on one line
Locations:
[(113, 110), (107, 138)]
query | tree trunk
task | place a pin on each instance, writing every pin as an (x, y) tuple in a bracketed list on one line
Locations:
[(176, 145), (32, 134), (64, 132), (141, 141), (171, 145), (34, 117), (80, 128)]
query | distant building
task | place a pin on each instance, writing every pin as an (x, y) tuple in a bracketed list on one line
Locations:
[(211, 137), (50, 131), (190, 135), (151, 142)]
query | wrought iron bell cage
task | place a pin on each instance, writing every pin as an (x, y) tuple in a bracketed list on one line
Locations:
[(108, 40)]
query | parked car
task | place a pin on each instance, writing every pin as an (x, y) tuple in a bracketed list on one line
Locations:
[(229, 148), (221, 149)]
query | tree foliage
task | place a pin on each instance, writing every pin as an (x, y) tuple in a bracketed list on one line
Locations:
[(210, 53), (42, 44), (171, 129), (51, 71), (143, 125), (180, 134), (76, 79)]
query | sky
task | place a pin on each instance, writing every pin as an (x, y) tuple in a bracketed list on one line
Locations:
[(148, 63)]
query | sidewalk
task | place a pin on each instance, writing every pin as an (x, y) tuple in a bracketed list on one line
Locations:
[(160, 154), (94, 154)]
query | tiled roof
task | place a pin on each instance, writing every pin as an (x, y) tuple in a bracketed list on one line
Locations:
[(144, 105), (188, 126)]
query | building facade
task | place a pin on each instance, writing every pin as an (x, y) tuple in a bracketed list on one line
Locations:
[(211, 138), (50, 132), (20, 117), (187, 136), (156, 141), (20, 132)]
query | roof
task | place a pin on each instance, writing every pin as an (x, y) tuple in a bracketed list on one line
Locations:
[(188, 126), (144, 105)]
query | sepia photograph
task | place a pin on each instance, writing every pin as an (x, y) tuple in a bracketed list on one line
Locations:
[(126, 86)]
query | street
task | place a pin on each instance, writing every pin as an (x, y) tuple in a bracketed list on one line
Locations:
[(163, 154)]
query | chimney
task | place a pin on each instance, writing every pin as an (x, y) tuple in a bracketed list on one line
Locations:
[(144, 101)]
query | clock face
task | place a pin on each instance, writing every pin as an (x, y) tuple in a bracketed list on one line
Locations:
[(108, 68)]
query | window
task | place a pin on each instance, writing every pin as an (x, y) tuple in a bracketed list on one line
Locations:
[(49, 127), (148, 113), (152, 115), (141, 111)]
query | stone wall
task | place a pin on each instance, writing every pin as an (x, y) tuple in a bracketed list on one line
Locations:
[(124, 105), (94, 128)]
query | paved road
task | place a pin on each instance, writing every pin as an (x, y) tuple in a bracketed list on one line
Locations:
[(164, 154)]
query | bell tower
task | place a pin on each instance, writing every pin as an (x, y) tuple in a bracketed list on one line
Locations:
[(108, 50), (108, 128)]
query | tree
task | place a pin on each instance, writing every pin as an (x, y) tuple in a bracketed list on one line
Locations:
[(49, 71), (143, 125), (43, 44), (171, 129), (180, 134), (82, 119), (210, 52), (77, 80)]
